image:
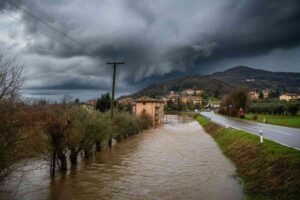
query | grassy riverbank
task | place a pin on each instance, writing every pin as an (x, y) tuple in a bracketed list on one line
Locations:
[(268, 170), (283, 120)]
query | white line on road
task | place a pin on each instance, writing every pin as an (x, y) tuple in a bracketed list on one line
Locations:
[(237, 126)]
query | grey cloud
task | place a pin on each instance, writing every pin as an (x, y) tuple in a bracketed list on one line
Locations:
[(156, 39)]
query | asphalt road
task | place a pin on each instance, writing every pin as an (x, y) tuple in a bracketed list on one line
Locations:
[(283, 135)]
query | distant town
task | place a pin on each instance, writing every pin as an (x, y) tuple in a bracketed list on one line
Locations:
[(187, 100)]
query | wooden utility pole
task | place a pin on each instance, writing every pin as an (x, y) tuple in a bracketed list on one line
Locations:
[(114, 65)]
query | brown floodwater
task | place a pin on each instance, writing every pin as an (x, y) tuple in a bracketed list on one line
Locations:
[(175, 161)]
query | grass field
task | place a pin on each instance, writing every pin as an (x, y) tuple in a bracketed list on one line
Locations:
[(268, 170), (283, 120)]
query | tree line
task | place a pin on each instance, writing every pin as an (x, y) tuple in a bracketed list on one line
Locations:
[(275, 108), (55, 132), (237, 103), (180, 106)]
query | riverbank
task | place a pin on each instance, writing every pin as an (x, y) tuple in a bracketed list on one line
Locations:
[(282, 120), (175, 161), (268, 170)]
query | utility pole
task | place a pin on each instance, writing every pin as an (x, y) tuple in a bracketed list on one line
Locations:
[(114, 65)]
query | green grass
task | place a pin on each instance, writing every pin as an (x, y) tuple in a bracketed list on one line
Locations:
[(268, 170), (283, 120)]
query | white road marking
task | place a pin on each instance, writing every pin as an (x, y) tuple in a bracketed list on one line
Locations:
[(240, 126)]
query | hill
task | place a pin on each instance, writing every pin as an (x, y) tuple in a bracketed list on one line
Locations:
[(221, 82)]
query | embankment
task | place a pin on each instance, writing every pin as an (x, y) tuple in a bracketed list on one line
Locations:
[(268, 170)]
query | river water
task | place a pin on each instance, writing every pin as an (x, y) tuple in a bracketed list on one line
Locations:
[(175, 161)]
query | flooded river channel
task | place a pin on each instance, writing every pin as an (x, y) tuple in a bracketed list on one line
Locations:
[(176, 161)]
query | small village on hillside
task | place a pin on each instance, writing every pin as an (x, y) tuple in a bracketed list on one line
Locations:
[(186, 100)]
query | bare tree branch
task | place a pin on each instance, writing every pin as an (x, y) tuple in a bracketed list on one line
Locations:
[(11, 77)]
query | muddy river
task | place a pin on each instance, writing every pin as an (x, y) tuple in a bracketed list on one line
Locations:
[(176, 161)]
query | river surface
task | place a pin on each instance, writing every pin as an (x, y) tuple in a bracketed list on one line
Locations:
[(175, 161)]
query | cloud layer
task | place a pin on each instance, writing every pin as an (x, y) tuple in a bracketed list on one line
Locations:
[(66, 43)]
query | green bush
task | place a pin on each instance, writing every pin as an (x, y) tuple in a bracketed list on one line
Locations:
[(146, 120), (274, 107), (126, 124)]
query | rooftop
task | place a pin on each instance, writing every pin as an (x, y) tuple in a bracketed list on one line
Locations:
[(147, 99), (290, 94)]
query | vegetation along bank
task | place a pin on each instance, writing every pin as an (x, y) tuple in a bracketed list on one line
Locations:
[(268, 170)]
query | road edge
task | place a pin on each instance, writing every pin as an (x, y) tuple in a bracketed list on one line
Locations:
[(269, 170)]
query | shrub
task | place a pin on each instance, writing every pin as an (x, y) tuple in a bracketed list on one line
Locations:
[(196, 115), (293, 108), (146, 120), (254, 117), (126, 124)]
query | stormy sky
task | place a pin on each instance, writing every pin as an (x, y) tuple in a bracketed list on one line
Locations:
[(65, 44)]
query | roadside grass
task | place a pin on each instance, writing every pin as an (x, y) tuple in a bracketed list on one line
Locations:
[(268, 170), (283, 120)]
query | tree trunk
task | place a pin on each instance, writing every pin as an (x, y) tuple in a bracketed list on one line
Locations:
[(98, 145), (63, 161), (110, 143), (73, 156), (53, 164), (86, 154), (119, 138)]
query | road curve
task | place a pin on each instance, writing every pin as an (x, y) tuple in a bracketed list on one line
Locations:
[(283, 135)]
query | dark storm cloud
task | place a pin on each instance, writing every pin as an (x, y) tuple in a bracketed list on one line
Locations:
[(9, 5), (259, 26), (248, 29), (156, 39)]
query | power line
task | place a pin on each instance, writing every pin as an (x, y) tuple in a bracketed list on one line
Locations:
[(43, 33), (26, 11)]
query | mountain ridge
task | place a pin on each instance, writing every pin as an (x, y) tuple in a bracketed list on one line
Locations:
[(219, 83)]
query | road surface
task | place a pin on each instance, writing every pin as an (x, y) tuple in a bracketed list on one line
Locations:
[(283, 135)]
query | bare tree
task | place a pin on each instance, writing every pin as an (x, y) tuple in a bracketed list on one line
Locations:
[(11, 77), (12, 139)]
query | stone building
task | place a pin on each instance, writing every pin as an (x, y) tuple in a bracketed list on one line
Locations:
[(152, 107), (191, 99), (289, 96), (253, 95), (199, 92), (125, 100), (189, 92), (266, 93)]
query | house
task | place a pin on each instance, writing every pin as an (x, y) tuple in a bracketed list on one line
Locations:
[(199, 92), (153, 107), (173, 97), (165, 100), (91, 102), (191, 99), (253, 95), (89, 105), (125, 100), (172, 93), (189, 92), (266, 93), (289, 96)]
